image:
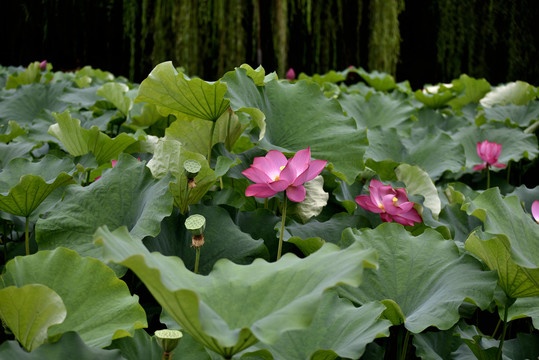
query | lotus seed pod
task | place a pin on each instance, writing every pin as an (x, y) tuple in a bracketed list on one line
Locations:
[(195, 224), (168, 339), (191, 168)]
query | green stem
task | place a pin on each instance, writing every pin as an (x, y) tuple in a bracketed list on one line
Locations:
[(405, 345), (508, 170), (504, 330), (197, 260), (280, 248), (266, 203), (27, 236), (185, 207), (488, 177), (211, 141), (497, 327), (228, 129)]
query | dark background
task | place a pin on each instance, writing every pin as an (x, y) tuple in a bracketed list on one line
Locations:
[(439, 39)]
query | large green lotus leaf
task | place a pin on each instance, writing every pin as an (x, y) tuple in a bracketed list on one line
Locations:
[(476, 344), (32, 74), (70, 346), (20, 147), (25, 184), (330, 77), (468, 90), (525, 346), (515, 280), (525, 307), (14, 131), (433, 153), (174, 94), (379, 110), (459, 223), (436, 345), (169, 156), (195, 134), (434, 121), (237, 305), (222, 240), (81, 98), (315, 200), (527, 196), (144, 347), (115, 93), (260, 224), (25, 104), (434, 99), (28, 311), (78, 141), (505, 216), (516, 145), (379, 81), (518, 93), (338, 329), (99, 306), (421, 276), (125, 195), (290, 130), (144, 115), (418, 182), (513, 115), (329, 230)]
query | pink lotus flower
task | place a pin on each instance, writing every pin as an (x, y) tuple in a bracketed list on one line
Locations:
[(43, 65), (290, 74), (274, 173), (391, 204), (535, 210), (489, 152)]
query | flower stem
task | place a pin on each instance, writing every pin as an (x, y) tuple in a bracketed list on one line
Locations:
[(504, 330), (26, 236), (197, 259), (405, 345), (488, 177), (211, 141), (280, 248)]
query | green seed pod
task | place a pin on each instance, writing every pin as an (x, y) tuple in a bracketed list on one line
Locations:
[(168, 339), (191, 168), (195, 224)]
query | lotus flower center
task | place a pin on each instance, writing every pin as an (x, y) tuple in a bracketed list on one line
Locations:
[(395, 200), (277, 176), (381, 206)]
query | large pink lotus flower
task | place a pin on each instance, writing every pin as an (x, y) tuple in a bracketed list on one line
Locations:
[(274, 173), (489, 152), (535, 210), (391, 204)]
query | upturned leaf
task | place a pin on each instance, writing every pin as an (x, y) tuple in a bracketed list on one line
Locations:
[(174, 94), (99, 306), (25, 184), (29, 310), (78, 141)]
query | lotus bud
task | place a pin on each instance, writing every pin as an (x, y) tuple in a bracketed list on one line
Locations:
[(43, 65), (290, 74)]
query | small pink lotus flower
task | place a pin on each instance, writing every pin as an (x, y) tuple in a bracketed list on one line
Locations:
[(489, 152), (43, 65), (274, 173), (535, 210), (290, 74), (391, 204)]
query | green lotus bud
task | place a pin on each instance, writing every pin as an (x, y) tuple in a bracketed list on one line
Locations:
[(168, 339), (191, 168), (195, 224)]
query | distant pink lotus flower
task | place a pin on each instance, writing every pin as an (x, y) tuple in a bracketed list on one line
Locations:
[(290, 74), (43, 65), (391, 204), (274, 173), (489, 152), (535, 210)]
